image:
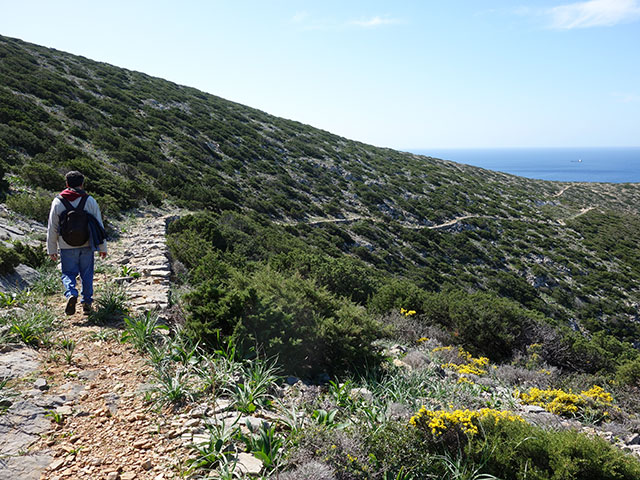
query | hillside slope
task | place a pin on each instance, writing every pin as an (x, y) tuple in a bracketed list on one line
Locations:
[(568, 251)]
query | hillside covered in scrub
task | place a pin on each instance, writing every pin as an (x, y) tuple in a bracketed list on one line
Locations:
[(321, 252), (567, 252)]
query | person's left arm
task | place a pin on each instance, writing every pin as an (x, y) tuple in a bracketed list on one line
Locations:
[(93, 208)]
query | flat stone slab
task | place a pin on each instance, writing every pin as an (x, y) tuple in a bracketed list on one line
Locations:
[(18, 363), (21, 278), (248, 464), (21, 426), (24, 467)]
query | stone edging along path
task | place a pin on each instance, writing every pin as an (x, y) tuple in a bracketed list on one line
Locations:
[(142, 251)]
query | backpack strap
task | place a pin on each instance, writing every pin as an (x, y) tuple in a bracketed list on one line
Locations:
[(82, 202), (65, 202), (68, 206)]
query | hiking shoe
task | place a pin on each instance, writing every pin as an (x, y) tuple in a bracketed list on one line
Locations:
[(87, 308), (71, 306)]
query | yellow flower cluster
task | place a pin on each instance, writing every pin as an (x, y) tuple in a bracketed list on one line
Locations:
[(407, 313), (442, 349), (439, 421), (474, 366), (422, 339), (465, 380), (598, 394), (567, 403)]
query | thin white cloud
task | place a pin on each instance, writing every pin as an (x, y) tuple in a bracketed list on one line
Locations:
[(299, 17), (374, 22), (594, 13), (307, 22), (627, 97)]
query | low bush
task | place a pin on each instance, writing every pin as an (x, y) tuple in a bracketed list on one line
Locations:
[(507, 448), (629, 373), (309, 329), (32, 205), (9, 259), (34, 256), (41, 175)]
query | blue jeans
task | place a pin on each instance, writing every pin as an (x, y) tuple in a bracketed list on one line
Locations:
[(76, 261)]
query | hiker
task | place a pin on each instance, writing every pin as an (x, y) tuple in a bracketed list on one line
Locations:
[(75, 227)]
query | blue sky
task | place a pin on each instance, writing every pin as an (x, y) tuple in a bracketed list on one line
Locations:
[(401, 74)]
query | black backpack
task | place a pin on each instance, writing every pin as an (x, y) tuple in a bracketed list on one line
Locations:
[(74, 223)]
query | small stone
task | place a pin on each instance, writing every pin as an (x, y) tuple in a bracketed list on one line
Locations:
[(533, 409), (64, 410), (362, 393), (147, 465), (143, 443), (399, 363), (41, 384), (221, 406), (633, 448), (292, 380), (128, 476), (248, 464), (201, 439), (633, 440), (113, 476), (397, 350), (56, 464), (194, 422), (198, 411)]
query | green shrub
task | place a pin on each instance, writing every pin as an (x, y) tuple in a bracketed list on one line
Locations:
[(9, 259), (397, 294), (35, 257), (343, 276), (510, 450), (483, 323), (41, 175), (4, 185), (507, 450), (629, 373), (309, 329), (33, 205)]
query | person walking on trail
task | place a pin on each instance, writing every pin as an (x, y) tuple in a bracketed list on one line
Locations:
[(75, 229)]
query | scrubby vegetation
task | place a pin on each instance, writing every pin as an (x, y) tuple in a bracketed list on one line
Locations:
[(312, 255)]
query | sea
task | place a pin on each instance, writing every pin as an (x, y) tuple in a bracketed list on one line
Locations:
[(611, 165)]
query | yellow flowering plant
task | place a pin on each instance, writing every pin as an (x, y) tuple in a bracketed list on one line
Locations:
[(595, 400), (470, 365), (439, 422)]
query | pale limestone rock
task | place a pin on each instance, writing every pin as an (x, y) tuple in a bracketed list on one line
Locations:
[(248, 464)]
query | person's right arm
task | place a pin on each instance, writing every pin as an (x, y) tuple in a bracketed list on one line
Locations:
[(52, 232)]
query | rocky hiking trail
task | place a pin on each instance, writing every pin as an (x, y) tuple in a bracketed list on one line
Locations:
[(87, 419)]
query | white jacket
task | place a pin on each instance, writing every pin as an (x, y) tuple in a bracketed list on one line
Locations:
[(54, 240)]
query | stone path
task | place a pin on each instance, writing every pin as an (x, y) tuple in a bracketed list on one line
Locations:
[(142, 263), (105, 429)]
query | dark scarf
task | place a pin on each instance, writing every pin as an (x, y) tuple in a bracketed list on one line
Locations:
[(72, 193)]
